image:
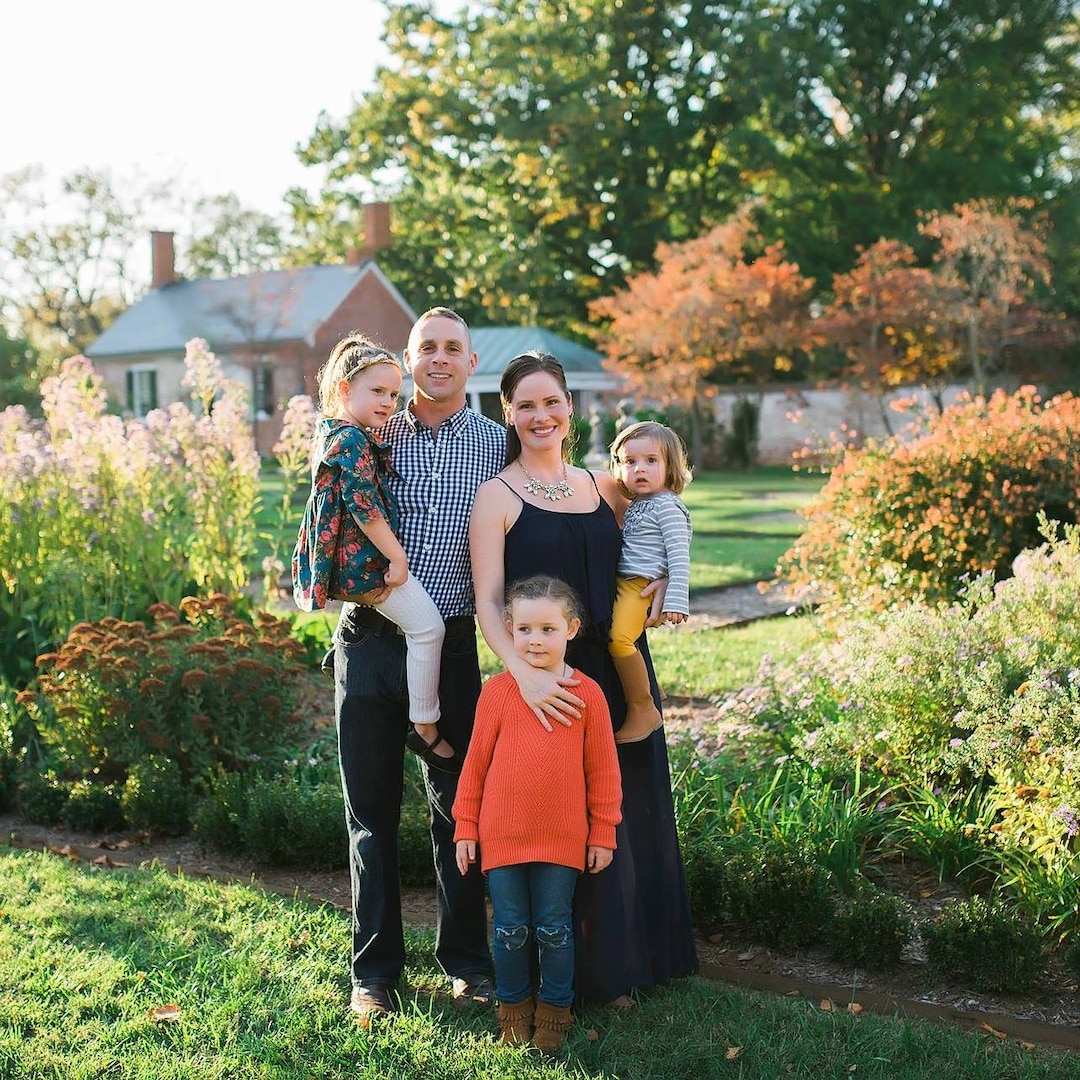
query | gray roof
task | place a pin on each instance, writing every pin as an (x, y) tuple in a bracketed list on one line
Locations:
[(281, 305), (495, 345)]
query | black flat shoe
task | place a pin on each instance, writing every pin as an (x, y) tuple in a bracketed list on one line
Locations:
[(426, 752)]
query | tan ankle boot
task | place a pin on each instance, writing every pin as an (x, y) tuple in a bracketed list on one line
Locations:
[(642, 715), (515, 1022), (552, 1024)]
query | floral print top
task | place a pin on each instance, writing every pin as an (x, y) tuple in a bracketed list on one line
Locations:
[(333, 558)]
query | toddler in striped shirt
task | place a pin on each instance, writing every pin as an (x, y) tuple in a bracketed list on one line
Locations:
[(649, 462)]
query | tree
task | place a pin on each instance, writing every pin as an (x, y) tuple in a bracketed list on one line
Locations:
[(709, 314), (537, 152), (19, 377), (229, 240), (70, 258), (914, 104), (882, 316), (987, 263)]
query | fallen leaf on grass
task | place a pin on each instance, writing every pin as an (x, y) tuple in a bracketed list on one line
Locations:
[(825, 1005), (164, 1014), (1027, 1045), (104, 860), (715, 939), (733, 1052), (744, 956), (115, 845), (854, 1007), (299, 942), (67, 851), (592, 1035), (992, 1031)]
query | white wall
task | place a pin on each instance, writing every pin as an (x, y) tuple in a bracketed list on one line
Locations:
[(793, 418)]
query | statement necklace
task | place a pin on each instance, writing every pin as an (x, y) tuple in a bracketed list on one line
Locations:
[(551, 492)]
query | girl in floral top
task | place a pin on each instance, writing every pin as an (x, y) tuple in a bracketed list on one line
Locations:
[(347, 545)]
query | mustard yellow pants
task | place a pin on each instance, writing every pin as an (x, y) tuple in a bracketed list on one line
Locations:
[(628, 615)]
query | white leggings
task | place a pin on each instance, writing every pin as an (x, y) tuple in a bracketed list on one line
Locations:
[(410, 607)]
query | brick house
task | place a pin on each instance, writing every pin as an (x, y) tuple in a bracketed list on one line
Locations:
[(273, 331), (270, 331)]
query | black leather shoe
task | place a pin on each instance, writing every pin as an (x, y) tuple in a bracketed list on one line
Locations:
[(371, 1002), (478, 990)]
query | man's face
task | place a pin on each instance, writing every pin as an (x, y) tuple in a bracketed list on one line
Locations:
[(439, 359)]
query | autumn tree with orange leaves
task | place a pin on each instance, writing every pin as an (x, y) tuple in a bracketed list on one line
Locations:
[(988, 262), (882, 315), (709, 315)]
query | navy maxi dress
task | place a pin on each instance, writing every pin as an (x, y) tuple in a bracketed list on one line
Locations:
[(632, 921)]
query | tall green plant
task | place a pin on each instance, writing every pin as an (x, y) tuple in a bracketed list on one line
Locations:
[(101, 516)]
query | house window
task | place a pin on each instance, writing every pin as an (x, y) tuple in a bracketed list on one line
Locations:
[(141, 391), (264, 390)]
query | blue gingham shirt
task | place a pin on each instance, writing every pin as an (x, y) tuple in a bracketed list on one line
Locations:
[(437, 477)]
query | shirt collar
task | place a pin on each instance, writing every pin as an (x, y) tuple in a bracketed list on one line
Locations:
[(455, 424)]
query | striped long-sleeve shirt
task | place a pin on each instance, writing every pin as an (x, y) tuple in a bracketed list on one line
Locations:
[(656, 542)]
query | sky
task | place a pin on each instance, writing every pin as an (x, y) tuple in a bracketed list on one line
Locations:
[(211, 95)]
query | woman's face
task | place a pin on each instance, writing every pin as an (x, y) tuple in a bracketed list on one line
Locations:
[(540, 411)]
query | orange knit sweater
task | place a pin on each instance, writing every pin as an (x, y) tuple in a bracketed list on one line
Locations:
[(530, 795)]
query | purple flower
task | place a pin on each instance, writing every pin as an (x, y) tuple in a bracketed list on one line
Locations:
[(1068, 815)]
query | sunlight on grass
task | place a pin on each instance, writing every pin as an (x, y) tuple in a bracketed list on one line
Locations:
[(143, 975), (703, 663)]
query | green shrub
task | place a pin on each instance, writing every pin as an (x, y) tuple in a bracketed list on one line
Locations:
[(315, 637), (41, 796), (202, 687), (92, 807), (778, 890), (216, 822), (983, 944), (155, 798), (706, 877), (917, 516), (293, 821), (1071, 956), (871, 930)]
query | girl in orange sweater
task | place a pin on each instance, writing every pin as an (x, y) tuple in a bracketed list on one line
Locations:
[(542, 807)]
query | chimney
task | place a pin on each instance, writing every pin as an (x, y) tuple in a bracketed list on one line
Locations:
[(162, 259), (376, 234)]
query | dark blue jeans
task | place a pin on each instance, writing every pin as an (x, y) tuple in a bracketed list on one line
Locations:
[(536, 897), (372, 717)]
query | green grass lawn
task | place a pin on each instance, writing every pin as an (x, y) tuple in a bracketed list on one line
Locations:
[(140, 975), (688, 662), (744, 522)]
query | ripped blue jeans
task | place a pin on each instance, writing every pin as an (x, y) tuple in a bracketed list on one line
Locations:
[(532, 915)]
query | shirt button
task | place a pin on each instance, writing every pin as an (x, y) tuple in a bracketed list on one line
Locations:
[(427, 547), (435, 476)]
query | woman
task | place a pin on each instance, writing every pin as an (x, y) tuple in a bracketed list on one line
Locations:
[(541, 515)]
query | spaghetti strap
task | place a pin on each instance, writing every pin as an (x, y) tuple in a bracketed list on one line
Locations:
[(510, 489)]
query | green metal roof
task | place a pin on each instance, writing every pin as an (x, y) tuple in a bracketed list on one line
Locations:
[(495, 345)]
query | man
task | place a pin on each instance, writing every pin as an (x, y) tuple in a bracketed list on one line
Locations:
[(442, 451)]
